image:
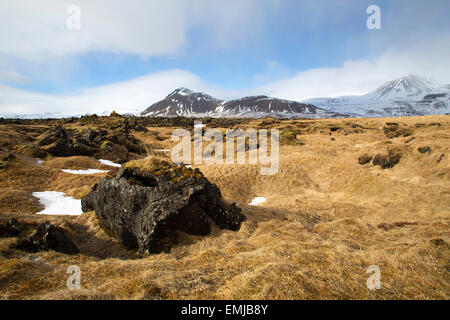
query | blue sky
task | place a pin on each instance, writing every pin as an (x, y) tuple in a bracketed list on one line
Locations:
[(127, 55)]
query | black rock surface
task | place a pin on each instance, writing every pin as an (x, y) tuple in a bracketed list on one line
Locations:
[(143, 209)]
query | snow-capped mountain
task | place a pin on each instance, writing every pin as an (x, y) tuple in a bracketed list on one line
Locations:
[(406, 96), (184, 102)]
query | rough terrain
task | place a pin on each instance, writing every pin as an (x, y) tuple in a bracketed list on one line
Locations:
[(350, 193)]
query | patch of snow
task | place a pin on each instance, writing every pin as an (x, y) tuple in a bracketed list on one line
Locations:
[(257, 200), (109, 163), (58, 203), (88, 171)]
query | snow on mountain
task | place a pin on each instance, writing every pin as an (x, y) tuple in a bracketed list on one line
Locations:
[(184, 102), (406, 96)]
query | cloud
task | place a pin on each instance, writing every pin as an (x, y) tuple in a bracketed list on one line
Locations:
[(128, 96), (274, 70), (11, 76), (39, 30)]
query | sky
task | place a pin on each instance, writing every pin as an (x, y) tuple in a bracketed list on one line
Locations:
[(126, 55)]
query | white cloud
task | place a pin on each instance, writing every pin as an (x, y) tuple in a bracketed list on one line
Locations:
[(12, 76), (274, 70), (38, 30), (127, 96)]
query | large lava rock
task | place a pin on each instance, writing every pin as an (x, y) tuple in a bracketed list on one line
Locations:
[(144, 208)]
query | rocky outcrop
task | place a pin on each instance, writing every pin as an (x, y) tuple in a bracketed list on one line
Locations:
[(392, 130), (116, 145), (144, 209), (47, 237)]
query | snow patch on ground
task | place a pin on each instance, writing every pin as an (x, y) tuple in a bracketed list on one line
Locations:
[(257, 200), (109, 163), (88, 171), (58, 203)]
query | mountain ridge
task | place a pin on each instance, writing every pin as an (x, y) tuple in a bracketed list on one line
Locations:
[(185, 102)]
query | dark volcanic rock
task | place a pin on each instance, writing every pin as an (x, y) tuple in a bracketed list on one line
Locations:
[(387, 161), (424, 149), (47, 237), (392, 130), (53, 135), (365, 158), (69, 148), (140, 128), (145, 208), (11, 228), (62, 148)]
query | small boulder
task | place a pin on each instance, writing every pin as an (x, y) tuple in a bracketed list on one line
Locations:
[(10, 228), (424, 149), (140, 128), (392, 130), (387, 161), (62, 148), (364, 159), (47, 237), (143, 208)]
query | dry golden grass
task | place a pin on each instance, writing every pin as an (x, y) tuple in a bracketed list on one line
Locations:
[(313, 238)]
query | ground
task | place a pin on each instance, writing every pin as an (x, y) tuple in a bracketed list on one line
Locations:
[(327, 218)]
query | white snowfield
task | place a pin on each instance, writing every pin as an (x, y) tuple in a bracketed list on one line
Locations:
[(88, 171), (58, 203), (257, 200), (109, 163)]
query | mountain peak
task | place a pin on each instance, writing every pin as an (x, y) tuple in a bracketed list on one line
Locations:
[(181, 91), (407, 87)]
